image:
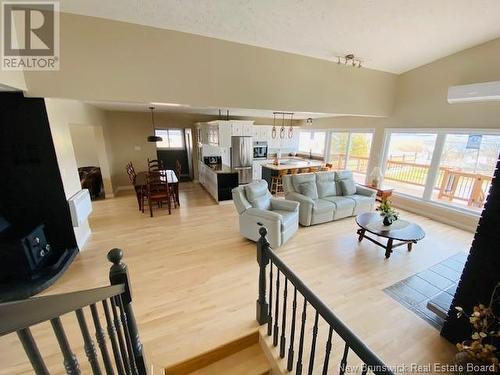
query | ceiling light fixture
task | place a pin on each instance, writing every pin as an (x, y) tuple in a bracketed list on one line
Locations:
[(309, 121), (154, 137), (349, 59)]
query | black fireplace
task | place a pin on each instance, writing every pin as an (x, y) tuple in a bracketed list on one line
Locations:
[(37, 241)]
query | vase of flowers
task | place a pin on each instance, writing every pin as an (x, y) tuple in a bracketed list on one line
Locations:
[(388, 213), (479, 353)]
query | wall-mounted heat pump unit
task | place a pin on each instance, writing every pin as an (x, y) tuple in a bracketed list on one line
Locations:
[(476, 92), (80, 207)]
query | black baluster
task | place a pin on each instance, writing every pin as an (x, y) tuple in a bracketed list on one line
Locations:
[(283, 322), (128, 342), (101, 340), (313, 344), (118, 274), (270, 321), (328, 350), (298, 370), (121, 340), (292, 331), (276, 308), (343, 362), (70, 362), (31, 350), (113, 338), (262, 260), (88, 343)]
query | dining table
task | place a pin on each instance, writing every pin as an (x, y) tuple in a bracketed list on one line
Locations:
[(141, 182)]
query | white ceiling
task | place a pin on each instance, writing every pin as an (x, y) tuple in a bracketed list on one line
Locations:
[(181, 108), (389, 35)]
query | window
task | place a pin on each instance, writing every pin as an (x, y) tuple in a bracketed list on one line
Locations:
[(172, 138), (408, 162), (312, 142), (466, 169), (338, 149), (448, 167), (304, 142), (351, 150)]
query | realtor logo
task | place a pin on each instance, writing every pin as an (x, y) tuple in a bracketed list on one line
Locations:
[(30, 39)]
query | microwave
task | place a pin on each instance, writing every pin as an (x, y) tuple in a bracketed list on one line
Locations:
[(260, 150)]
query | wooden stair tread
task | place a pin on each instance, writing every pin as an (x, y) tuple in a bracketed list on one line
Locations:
[(249, 361), (231, 354)]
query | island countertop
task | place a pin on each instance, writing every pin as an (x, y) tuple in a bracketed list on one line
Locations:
[(296, 163)]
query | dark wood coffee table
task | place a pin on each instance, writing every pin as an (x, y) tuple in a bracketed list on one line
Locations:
[(406, 232)]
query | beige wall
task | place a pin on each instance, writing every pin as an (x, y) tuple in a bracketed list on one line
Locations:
[(84, 145), (13, 79), (62, 114), (126, 133), (109, 60)]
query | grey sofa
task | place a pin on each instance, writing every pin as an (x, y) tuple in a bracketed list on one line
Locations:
[(257, 208), (327, 196)]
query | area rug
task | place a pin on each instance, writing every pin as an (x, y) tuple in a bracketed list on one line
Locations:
[(437, 283)]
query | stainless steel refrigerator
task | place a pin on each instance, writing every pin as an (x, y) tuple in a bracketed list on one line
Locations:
[(242, 158)]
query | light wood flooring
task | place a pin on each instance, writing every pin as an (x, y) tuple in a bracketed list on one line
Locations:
[(194, 280)]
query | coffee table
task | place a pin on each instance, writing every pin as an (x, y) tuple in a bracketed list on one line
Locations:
[(406, 232)]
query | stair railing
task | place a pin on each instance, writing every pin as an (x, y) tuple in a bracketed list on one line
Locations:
[(124, 357), (266, 315)]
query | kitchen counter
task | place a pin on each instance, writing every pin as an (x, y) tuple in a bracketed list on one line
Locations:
[(270, 170), (222, 169), (296, 163)]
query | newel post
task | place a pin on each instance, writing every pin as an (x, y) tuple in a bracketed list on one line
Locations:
[(262, 260), (118, 274)]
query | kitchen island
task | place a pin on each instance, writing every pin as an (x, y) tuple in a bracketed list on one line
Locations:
[(218, 180), (270, 170)]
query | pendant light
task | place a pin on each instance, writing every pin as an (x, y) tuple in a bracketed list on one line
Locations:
[(154, 137), (290, 130), (273, 132), (282, 130)]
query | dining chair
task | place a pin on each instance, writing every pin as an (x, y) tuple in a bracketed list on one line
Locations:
[(157, 191), (178, 169), (155, 165), (138, 189)]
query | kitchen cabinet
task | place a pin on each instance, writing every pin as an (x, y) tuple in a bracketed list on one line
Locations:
[(219, 133), (257, 168)]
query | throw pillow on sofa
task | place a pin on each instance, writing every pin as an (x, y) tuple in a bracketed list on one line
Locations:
[(325, 182), (309, 189), (348, 186)]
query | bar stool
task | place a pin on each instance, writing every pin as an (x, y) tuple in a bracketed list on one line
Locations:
[(313, 169), (294, 171), (277, 182)]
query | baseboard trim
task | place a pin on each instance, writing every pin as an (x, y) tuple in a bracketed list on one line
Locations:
[(214, 355), (124, 188)]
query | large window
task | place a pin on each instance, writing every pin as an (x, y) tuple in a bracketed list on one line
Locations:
[(466, 169), (172, 138), (408, 161), (351, 150), (312, 142), (448, 167)]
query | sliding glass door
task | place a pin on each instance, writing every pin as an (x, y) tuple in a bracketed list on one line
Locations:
[(351, 150)]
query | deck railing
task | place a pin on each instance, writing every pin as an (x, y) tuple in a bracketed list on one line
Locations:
[(126, 349), (451, 184), (268, 312)]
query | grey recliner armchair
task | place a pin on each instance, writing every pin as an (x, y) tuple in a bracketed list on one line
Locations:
[(257, 208)]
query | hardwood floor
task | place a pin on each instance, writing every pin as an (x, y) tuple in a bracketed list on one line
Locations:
[(194, 280)]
